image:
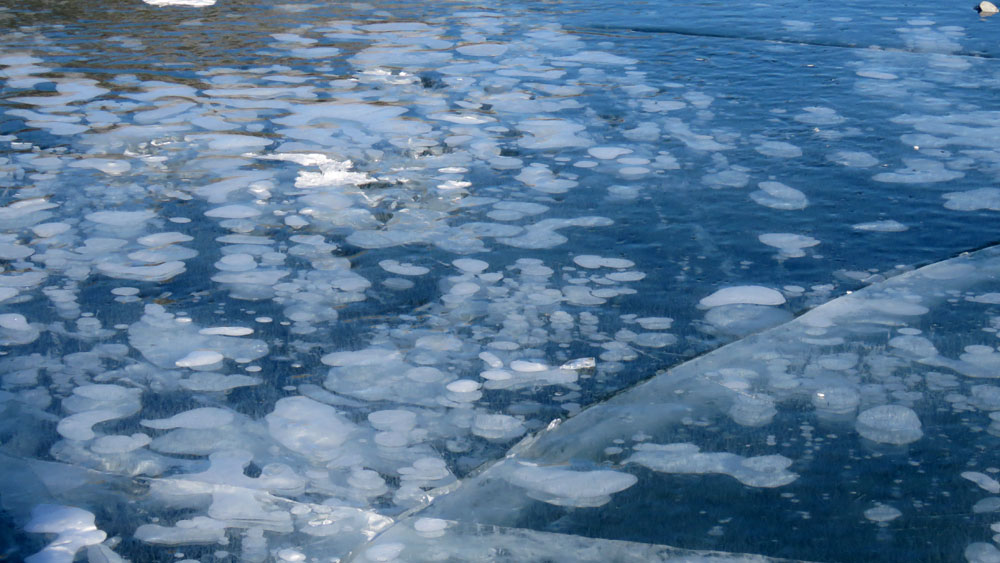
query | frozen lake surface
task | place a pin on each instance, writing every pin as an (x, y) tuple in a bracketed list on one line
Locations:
[(563, 281)]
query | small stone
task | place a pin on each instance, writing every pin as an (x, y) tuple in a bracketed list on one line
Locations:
[(986, 8)]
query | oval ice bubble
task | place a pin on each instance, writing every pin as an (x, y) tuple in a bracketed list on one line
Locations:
[(424, 374), (48, 230), (226, 331), (15, 330), (403, 268), (564, 487), (163, 239), (752, 410), (430, 527), (201, 418), (491, 360), (592, 262), (470, 265), (655, 323), (790, 245), (882, 513), (200, 359), (235, 211), (497, 427), (984, 481), (525, 366), (393, 439), (119, 444), (743, 294), (394, 419), (384, 552), (463, 386), (779, 196), (889, 424), (123, 219), (836, 400), (80, 426)]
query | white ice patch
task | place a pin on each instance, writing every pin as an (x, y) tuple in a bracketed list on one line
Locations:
[(876, 74), (201, 418), (309, 428), (111, 167), (564, 487), (147, 336), (121, 219), (779, 149), (981, 552), (752, 410), (216, 382), (200, 359), (767, 471), (552, 133), (789, 245), (733, 177), (497, 427), (655, 323), (119, 444), (854, 159), (7, 293), (882, 513), (483, 49), (15, 330), (889, 424), (608, 153), (79, 426), (515, 210), (235, 211), (973, 200), (819, 116), (368, 356), (779, 196), (984, 481), (539, 177), (579, 363), (919, 171), (654, 339), (590, 261), (155, 273), (12, 252), (886, 226), (743, 294), (527, 367), (163, 239), (49, 230), (74, 529), (470, 265), (226, 331), (23, 209), (393, 420), (544, 234), (199, 530)]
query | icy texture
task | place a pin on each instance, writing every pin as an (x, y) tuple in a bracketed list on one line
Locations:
[(890, 424), (275, 277), (760, 471), (570, 488)]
